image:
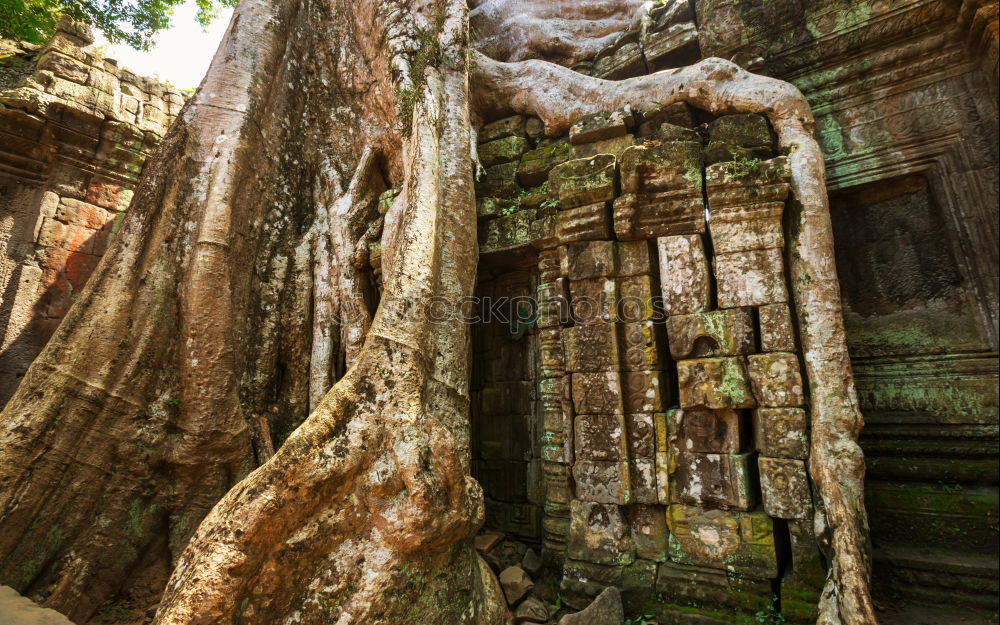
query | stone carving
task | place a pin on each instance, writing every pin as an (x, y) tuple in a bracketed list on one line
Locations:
[(583, 181), (742, 542), (684, 277), (710, 431), (599, 533), (776, 379), (717, 333), (781, 432), (785, 488), (716, 480), (714, 383)]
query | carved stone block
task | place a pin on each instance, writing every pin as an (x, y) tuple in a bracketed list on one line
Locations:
[(746, 130), (592, 347), (717, 333), (636, 258), (641, 435), (641, 345), (644, 486), (684, 279), (664, 166), (599, 533), (600, 437), (741, 542), (637, 298), (716, 480), (649, 531), (776, 379), (614, 146), (685, 584), (549, 267), (558, 489), (756, 229), (643, 391), (591, 259), (784, 486), (553, 304), (750, 278), (714, 383), (776, 331), (584, 223), (781, 432), (593, 301), (583, 181), (552, 355), (597, 393), (603, 482), (507, 232), (660, 214), (710, 431)]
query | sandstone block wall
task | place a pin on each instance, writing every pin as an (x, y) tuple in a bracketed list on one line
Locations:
[(75, 130)]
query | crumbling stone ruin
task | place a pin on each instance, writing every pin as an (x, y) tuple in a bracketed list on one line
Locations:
[(75, 130), (640, 409)]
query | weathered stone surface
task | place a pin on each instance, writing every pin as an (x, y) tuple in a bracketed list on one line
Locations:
[(597, 393), (710, 431), (684, 275), (717, 333), (662, 166), (750, 278), (736, 136), (531, 562), (643, 391), (746, 200), (553, 303), (641, 346), (584, 223), (487, 540), (784, 486), (644, 480), (592, 347), (536, 164), (716, 480), (763, 231), (649, 531), (593, 301), (531, 610), (583, 181), (515, 583), (551, 355), (637, 298), (740, 542), (603, 482), (807, 561), (776, 379), (606, 609), (625, 61), (597, 127), (636, 258), (679, 114), (714, 383), (599, 533), (641, 435), (513, 126), (600, 437), (777, 334), (685, 584), (507, 232), (506, 150), (499, 181), (661, 465), (615, 146), (781, 432), (591, 259), (659, 214)]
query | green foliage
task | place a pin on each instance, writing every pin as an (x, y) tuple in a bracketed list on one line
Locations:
[(743, 166), (134, 22), (642, 619), (550, 204), (770, 616)]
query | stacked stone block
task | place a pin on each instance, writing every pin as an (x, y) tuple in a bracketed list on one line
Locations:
[(674, 429)]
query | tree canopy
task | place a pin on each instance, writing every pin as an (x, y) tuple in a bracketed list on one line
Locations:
[(134, 22)]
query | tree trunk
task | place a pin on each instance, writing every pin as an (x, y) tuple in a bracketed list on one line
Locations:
[(224, 303)]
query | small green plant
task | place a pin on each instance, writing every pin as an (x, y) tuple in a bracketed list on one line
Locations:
[(173, 401), (549, 204), (743, 166), (642, 619), (558, 602), (771, 615)]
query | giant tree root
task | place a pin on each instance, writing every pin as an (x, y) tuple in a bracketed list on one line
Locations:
[(559, 96)]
